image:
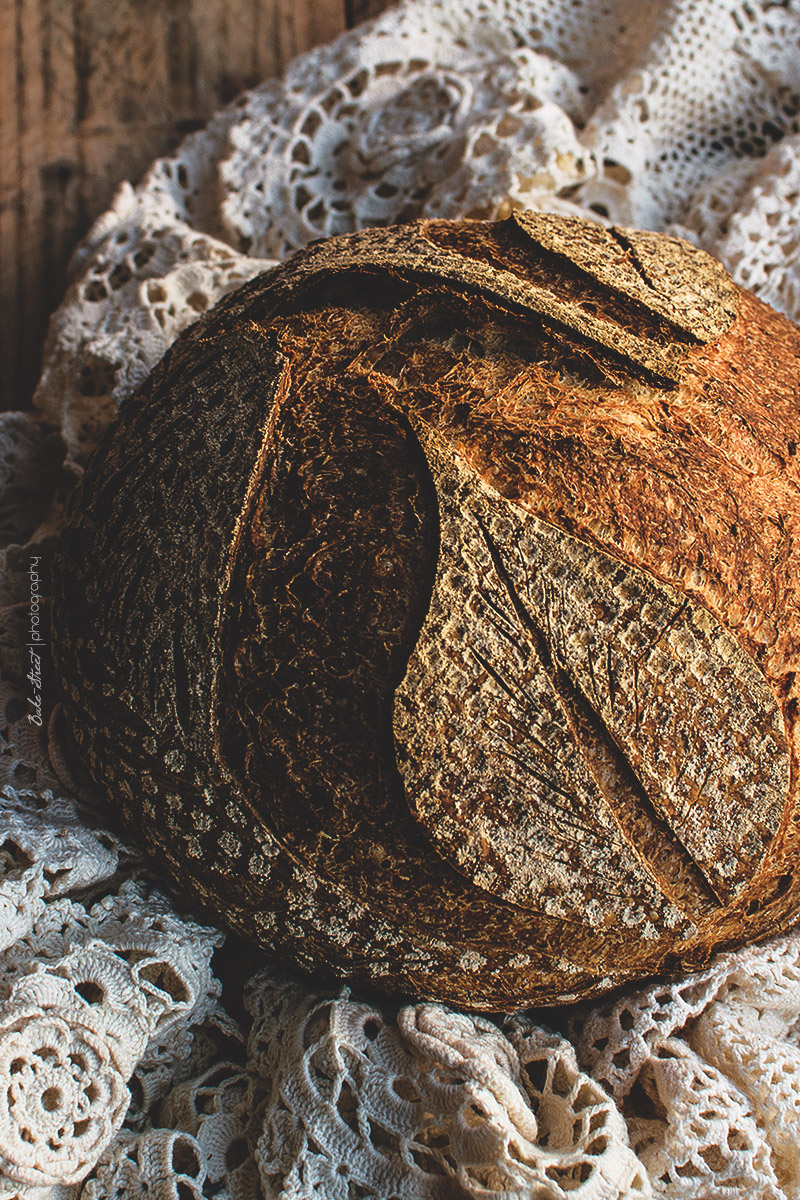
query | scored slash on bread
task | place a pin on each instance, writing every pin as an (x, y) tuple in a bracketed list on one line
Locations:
[(431, 612)]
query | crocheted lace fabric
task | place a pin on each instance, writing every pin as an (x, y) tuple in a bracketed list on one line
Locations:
[(138, 1056)]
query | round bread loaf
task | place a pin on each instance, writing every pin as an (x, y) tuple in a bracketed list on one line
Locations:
[(431, 613)]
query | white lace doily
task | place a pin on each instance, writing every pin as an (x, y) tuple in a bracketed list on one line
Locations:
[(136, 1059)]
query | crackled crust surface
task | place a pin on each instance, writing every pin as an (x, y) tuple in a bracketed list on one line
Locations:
[(437, 594)]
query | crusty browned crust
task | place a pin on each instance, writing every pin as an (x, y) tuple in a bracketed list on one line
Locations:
[(433, 610)]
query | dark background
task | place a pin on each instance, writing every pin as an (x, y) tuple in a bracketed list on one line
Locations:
[(91, 91)]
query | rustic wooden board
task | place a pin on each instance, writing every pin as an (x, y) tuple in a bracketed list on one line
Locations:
[(361, 10), (90, 92)]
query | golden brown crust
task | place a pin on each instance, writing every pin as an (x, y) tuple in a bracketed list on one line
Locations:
[(435, 606)]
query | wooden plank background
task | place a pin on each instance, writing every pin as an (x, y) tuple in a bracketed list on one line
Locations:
[(90, 92)]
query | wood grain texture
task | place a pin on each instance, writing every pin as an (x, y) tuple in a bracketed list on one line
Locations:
[(488, 687), (90, 93)]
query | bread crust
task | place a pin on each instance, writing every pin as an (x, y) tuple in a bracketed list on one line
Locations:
[(433, 610)]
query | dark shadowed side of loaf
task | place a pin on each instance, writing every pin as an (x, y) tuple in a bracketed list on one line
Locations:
[(433, 608)]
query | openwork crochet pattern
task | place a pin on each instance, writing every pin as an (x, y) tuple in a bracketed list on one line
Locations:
[(139, 1056)]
